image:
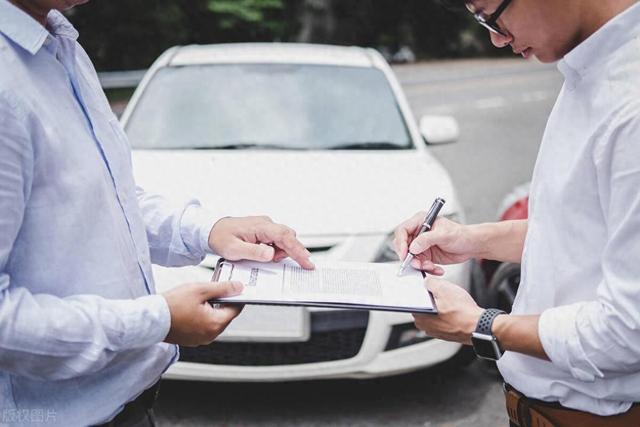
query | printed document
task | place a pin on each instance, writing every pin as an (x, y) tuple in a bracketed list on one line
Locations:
[(366, 286)]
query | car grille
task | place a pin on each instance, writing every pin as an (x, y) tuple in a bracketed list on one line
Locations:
[(335, 335)]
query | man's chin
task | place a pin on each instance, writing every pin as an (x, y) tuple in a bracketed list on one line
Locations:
[(545, 58)]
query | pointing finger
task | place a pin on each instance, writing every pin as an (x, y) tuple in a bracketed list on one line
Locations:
[(285, 239), (403, 234)]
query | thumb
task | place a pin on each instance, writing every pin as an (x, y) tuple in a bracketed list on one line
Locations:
[(424, 241), (220, 289), (251, 251)]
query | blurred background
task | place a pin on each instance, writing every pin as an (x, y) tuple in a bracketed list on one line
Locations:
[(125, 35), (128, 36)]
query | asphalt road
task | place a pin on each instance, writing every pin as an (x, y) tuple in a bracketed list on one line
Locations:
[(501, 106)]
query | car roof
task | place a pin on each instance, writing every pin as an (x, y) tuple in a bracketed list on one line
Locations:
[(284, 53)]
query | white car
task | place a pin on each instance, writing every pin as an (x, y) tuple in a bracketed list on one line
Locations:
[(319, 138)]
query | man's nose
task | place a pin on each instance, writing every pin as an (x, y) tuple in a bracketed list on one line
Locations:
[(499, 40)]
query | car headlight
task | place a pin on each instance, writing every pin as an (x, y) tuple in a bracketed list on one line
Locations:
[(386, 253)]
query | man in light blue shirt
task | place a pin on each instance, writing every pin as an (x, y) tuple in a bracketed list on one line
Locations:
[(82, 331)]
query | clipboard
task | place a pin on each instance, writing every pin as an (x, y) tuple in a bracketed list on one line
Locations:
[(230, 267)]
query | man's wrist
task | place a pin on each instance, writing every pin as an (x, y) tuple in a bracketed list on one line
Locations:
[(500, 323), (480, 235), (197, 223), (472, 323), (211, 236), (498, 241), (485, 343), (519, 333)]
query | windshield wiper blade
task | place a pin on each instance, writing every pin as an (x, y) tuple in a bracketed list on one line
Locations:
[(381, 145), (246, 146)]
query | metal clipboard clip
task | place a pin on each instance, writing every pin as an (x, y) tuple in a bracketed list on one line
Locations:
[(218, 271)]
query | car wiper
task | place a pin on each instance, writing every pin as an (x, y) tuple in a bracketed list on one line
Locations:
[(246, 146), (382, 145)]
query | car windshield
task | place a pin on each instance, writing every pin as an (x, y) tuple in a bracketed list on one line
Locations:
[(268, 106)]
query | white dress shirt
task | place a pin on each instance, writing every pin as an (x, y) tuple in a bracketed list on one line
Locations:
[(80, 329), (581, 261)]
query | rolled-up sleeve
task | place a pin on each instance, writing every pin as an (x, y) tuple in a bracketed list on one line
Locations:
[(47, 337), (178, 233), (601, 338)]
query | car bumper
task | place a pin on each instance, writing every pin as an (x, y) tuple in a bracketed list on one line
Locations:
[(369, 363)]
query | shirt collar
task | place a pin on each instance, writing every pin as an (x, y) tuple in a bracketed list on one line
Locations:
[(26, 32), (600, 45)]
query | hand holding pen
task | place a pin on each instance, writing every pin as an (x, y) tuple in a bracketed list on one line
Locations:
[(426, 226), (447, 242)]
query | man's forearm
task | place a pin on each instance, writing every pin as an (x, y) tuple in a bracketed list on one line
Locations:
[(50, 338), (177, 232), (519, 334), (500, 241)]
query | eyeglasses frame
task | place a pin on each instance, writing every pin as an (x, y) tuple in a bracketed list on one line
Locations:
[(490, 22)]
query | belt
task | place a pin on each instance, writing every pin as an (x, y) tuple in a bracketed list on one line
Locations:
[(138, 411), (526, 412)]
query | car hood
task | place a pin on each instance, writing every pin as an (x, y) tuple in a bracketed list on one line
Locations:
[(316, 193)]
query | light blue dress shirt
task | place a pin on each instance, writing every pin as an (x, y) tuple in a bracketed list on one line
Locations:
[(80, 327)]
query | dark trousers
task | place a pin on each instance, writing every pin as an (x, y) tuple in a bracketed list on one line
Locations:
[(138, 412)]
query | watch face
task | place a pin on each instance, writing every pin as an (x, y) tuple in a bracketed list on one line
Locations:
[(486, 346)]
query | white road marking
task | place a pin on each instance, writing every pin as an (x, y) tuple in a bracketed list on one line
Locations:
[(489, 103), (536, 96), (492, 102)]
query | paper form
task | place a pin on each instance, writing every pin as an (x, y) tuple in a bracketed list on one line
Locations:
[(331, 284)]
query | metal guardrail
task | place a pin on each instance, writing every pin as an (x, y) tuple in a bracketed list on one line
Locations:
[(120, 79)]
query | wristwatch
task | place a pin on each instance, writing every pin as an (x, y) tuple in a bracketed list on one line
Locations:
[(485, 344)]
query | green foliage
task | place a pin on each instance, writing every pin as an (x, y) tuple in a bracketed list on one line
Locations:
[(259, 19), (241, 12)]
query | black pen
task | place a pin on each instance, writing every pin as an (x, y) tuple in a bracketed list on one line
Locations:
[(426, 226)]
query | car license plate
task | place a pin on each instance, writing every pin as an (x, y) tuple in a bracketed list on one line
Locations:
[(260, 323)]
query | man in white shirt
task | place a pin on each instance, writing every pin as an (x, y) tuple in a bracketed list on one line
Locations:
[(82, 331), (572, 340)]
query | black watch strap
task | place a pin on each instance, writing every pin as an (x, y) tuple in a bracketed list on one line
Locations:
[(486, 320)]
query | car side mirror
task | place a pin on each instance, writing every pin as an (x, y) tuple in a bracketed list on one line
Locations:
[(439, 129)]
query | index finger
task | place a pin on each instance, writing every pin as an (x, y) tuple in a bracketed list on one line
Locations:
[(285, 238), (403, 234)]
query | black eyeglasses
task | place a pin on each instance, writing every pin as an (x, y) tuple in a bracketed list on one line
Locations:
[(490, 21)]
